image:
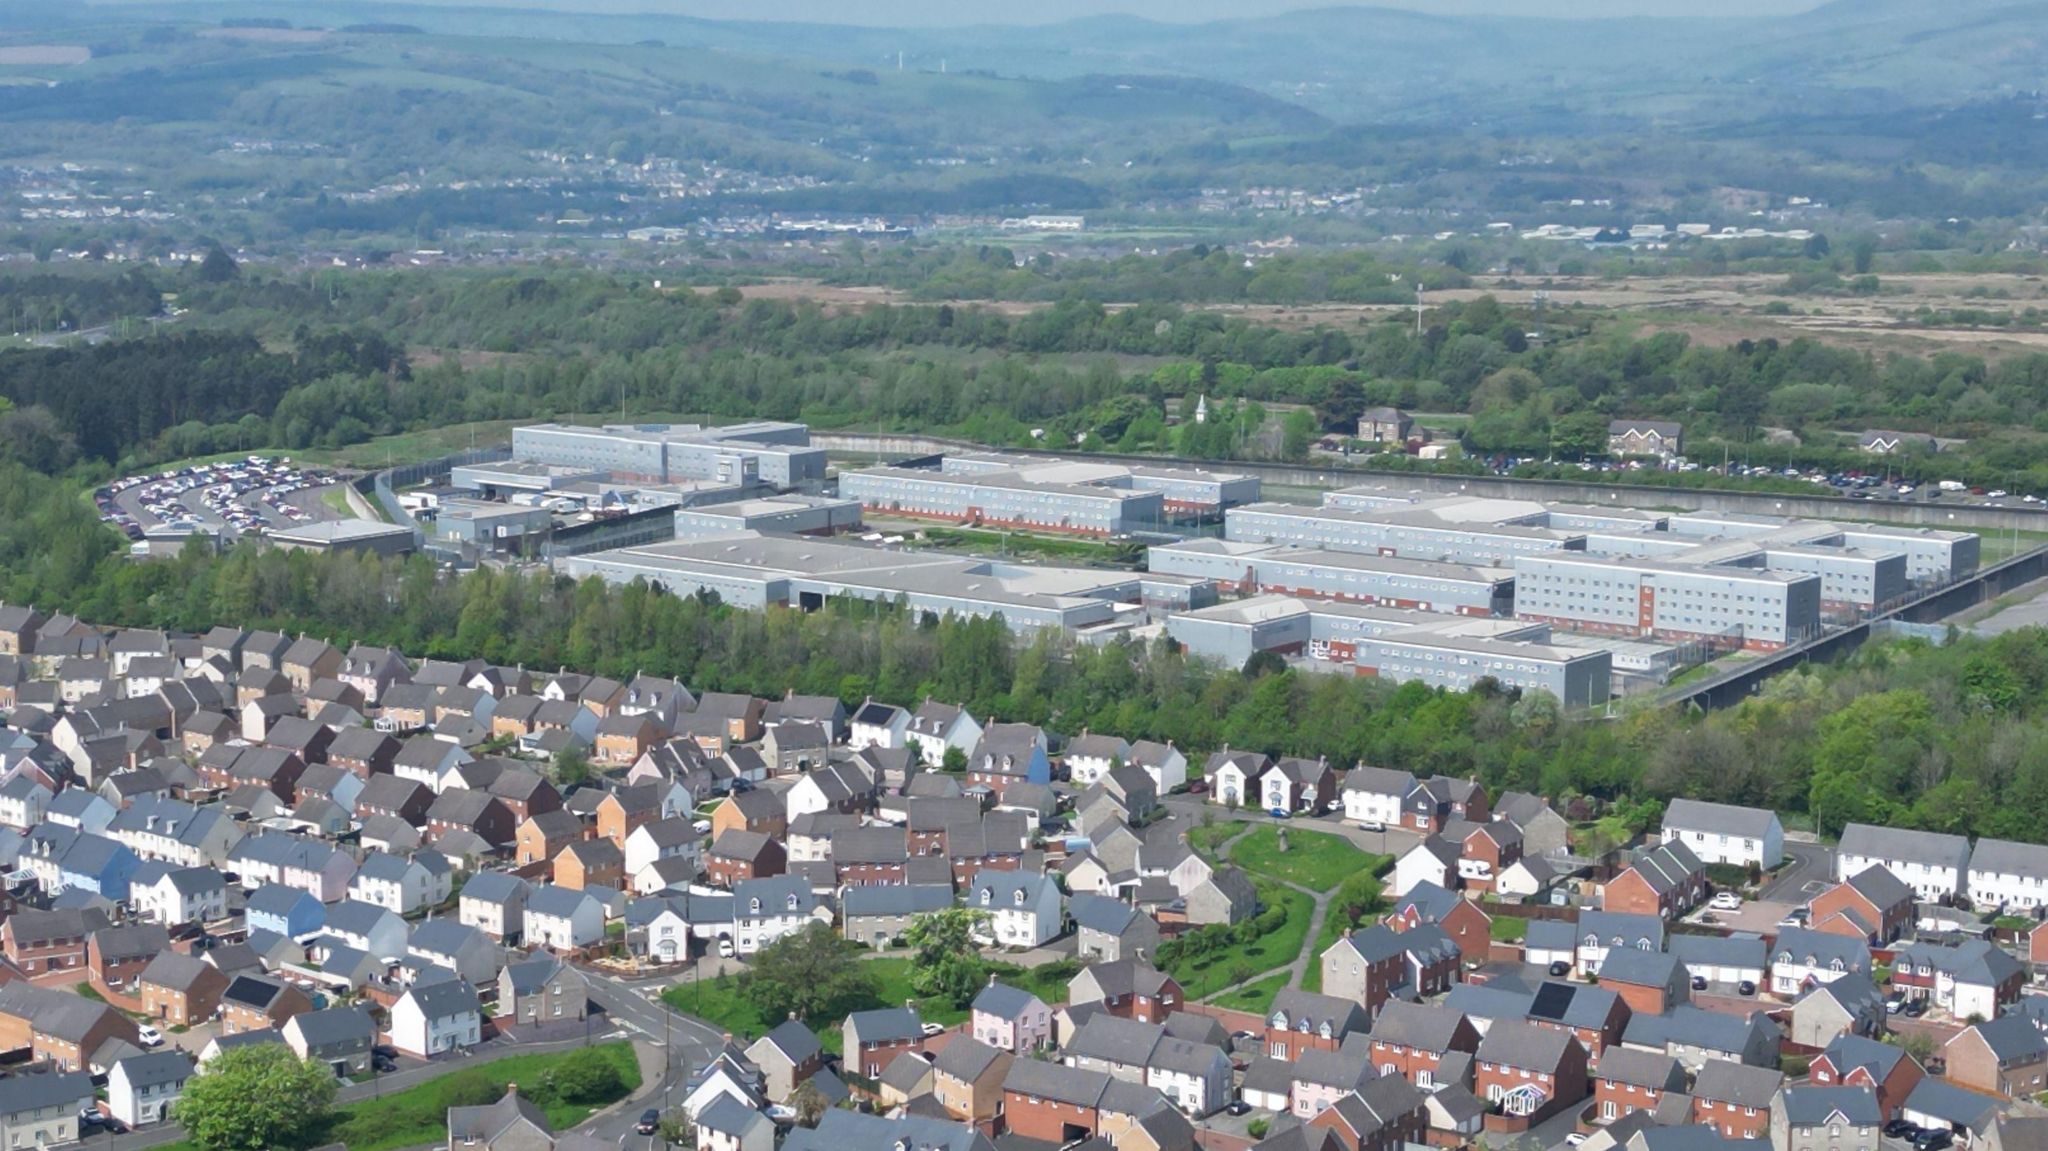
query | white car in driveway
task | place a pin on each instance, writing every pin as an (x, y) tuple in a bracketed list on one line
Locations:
[(1726, 901)]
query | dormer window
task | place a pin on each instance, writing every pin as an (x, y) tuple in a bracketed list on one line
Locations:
[(1280, 1020), (754, 905), (987, 895), (1018, 899), (792, 901)]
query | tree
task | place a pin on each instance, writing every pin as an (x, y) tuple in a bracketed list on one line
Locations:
[(255, 1098), (218, 267), (571, 767), (948, 964), (584, 1076), (807, 972), (809, 1104)]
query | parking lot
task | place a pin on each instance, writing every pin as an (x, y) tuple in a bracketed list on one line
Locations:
[(230, 498)]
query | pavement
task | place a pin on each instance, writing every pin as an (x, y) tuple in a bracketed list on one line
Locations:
[(1809, 870)]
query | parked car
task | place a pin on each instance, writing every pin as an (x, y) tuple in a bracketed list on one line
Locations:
[(1900, 1129), (1238, 1107), (725, 949), (1559, 967), (1726, 901), (1699, 983), (1915, 1009), (1746, 987), (149, 1036), (1933, 1140), (1894, 1002), (1199, 787), (931, 1029), (1373, 825), (1278, 812)]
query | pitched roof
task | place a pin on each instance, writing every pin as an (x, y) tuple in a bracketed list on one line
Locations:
[(1718, 818), (1927, 847), (1523, 1045)]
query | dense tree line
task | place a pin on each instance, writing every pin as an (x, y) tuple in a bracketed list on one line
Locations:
[(111, 398)]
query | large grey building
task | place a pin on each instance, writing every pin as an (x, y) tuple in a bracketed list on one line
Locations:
[(773, 453), (1318, 573), (786, 515), (750, 570), (1443, 650)]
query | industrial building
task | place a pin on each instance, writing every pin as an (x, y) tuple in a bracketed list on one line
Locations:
[(1448, 651), (489, 526), (1318, 573), (750, 570), (370, 536), (1739, 606), (1031, 494), (1185, 489), (778, 454), (795, 515), (1409, 531)]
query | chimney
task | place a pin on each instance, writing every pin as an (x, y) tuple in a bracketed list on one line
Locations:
[(991, 979), (511, 1088)]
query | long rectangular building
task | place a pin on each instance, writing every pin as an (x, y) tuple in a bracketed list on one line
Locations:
[(785, 515), (1010, 499), (752, 571), (771, 452), (1318, 573), (1614, 595), (1447, 651), (1407, 533), (1184, 489)]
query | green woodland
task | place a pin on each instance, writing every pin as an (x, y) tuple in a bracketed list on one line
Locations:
[(257, 360)]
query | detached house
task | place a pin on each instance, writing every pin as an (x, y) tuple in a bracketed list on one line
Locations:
[(1871, 905), (1009, 753), (1024, 910), (1724, 833), (1298, 785), (436, 1017), (1008, 1019), (1974, 978), (936, 727)]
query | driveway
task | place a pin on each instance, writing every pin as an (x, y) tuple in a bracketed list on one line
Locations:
[(1809, 870)]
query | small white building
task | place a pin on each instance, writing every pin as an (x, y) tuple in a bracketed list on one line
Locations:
[(934, 727), (1375, 795), (1024, 910), (402, 885), (878, 725), (1165, 763), (562, 919), (141, 1088), (1725, 833), (174, 895), (436, 1017), (726, 1124), (1089, 757)]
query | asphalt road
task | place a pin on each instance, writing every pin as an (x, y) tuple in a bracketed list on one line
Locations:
[(1810, 867), (686, 1043)]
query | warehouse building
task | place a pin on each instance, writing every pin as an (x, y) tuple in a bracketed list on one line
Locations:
[(492, 527), (1185, 490), (1447, 651), (1415, 532), (752, 571), (766, 451), (373, 537), (783, 515), (503, 479), (1051, 498), (1318, 573)]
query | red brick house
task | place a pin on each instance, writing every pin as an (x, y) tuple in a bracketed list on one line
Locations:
[(623, 811), (116, 956), (1485, 850), (258, 1003), (1306, 1021), (1468, 926), (738, 855), (2006, 1056), (1595, 1016), (1531, 1072), (179, 989), (1735, 1099), (42, 941), (1855, 1061), (1411, 1039), (1872, 905), (593, 863), (1666, 882), (1630, 1081), (1650, 982), (1127, 989)]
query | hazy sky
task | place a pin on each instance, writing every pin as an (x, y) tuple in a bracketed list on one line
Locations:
[(899, 13)]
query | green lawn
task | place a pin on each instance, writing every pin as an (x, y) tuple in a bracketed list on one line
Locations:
[(1207, 841), (719, 1002), (418, 1115), (1508, 929), (1314, 859), (1333, 929), (1254, 997), (1206, 975)]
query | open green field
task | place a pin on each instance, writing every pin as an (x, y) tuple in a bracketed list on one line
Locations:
[(1314, 859), (418, 1116), (1254, 997), (1206, 975), (719, 1002)]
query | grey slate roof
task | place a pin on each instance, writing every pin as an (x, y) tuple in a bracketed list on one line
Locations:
[(1523, 1045), (1718, 818), (1928, 847), (441, 1000), (1004, 1001), (1811, 1105), (21, 1093)]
